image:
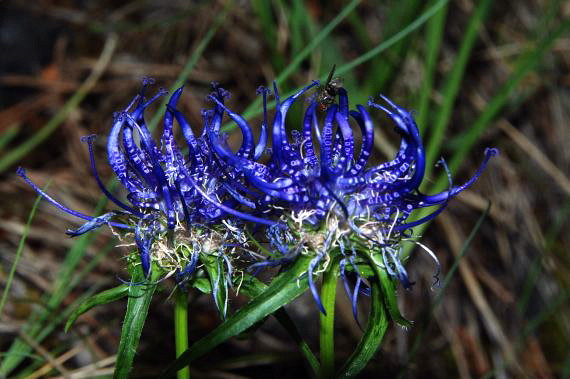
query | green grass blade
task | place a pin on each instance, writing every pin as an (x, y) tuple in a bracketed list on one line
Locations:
[(57, 317), (40, 136), (264, 12), (382, 73), (448, 277), (528, 62), (19, 253), (140, 296), (44, 321), (104, 297), (282, 290), (434, 37), (394, 39), (297, 17), (299, 58), (36, 323), (189, 66), (462, 253), (326, 336), (372, 337), (7, 137), (254, 109), (453, 83), (253, 287)]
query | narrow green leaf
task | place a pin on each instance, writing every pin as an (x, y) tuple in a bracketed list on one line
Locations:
[(255, 107), (326, 335), (140, 296), (104, 297), (393, 39), (253, 287), (264, 11), (526, 63), (282, 290), (382, 74), (372, 337)]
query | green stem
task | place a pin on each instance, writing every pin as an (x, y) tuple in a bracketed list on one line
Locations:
[(328, 297), (181, 329)]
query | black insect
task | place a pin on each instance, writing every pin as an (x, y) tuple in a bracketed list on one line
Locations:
[(326, 93)]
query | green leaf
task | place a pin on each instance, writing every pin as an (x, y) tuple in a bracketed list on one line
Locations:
[(372, 337), (253, 287), (140, 296), (104, 297), (282, 290)]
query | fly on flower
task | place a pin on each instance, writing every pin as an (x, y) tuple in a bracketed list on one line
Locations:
[(326, 94)]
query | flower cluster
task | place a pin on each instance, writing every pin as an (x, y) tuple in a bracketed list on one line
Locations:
[(313, 194)]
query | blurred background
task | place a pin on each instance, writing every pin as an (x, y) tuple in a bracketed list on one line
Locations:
[(477, 73)]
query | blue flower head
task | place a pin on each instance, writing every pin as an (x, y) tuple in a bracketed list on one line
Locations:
[(317, 193), (178, 204)]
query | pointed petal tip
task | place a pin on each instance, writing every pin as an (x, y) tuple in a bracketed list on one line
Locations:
[(492, 151), (262, 90), (88, 139), (148, 81)]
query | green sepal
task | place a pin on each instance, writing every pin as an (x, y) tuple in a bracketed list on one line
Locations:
[(389, 293), (364, 269), (214, 266), (201, 284), (101, 298)]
